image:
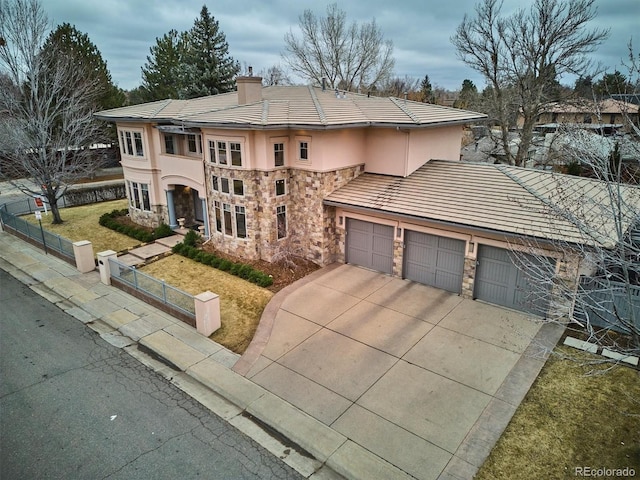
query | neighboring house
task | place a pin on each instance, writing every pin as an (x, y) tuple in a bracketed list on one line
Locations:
[(607, 116), (335, 176)]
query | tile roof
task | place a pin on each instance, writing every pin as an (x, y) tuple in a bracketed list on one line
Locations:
[(293, 106), (500, 198)]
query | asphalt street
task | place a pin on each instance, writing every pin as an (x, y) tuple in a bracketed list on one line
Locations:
[(74, 407)]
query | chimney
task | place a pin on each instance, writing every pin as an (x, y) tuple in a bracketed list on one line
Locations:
[(249, 88)]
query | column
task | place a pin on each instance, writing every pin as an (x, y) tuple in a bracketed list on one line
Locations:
[(206, 218), (172, 210)]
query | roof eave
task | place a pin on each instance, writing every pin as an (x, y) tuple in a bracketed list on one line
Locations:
[(445, 223)]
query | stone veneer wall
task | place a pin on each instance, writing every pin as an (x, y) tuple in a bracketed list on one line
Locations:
[(151, 219), (310, 225), (468, 277)]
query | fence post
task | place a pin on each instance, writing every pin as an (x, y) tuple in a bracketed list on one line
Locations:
[(207, 313), (104, 267), (83, 252)]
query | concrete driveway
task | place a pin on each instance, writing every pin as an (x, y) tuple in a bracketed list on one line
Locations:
[(418, 376)]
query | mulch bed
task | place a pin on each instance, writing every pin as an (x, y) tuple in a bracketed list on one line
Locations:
[(283, 273)]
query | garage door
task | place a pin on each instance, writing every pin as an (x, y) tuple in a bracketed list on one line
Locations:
[(499, 281), (370, 245), (434, 260)]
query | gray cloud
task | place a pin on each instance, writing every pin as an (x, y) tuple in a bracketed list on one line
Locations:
[(124, 30)]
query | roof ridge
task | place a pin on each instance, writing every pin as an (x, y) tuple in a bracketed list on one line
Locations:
[(406, 111), (164, 105), (565, 213), (316, 103)]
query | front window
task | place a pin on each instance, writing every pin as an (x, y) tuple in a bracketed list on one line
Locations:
[(222, 153), (281, 221), (236, 154), (278, 154), (212, 151), (169, 144), (238, 187), (193, 145), (228, 229), (214, 183), (224, 185), (280, 187), (144, 191), (241, 222), (304, 150), (129, 143), (137, 138), (218, 217)]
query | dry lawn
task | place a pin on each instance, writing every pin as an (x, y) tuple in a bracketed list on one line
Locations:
[(81, 223), (570, 420), (241, 302)]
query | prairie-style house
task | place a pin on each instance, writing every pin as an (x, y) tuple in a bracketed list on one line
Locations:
[(338, 176)]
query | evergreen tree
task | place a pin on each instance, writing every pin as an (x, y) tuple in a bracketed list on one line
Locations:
[(468, 95), (163, 75), (427, 90), (67, 40), (211, 69)]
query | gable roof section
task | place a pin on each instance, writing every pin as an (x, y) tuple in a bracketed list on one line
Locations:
[(500, 198), (293, 106)]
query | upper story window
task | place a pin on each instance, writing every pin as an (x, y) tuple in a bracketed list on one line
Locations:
[(225, 152), (193, 144), (169, 144), (236, 154), (303, 150), (181, 144), (131, 143), (278, 154)]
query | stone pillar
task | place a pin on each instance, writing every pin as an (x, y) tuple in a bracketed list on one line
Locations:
[(103, 265), (83, 251), (172, 210), (207, 313)]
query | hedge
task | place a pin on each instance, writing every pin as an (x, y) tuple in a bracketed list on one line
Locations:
[(109, 220), (188, 249)]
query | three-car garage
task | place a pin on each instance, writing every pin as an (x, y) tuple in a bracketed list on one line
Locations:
[(438, 261)]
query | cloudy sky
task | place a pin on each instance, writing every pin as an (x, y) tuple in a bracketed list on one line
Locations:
[(124, 30)]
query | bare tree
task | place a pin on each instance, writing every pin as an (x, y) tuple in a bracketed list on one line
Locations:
[(603, 306), (522, 56), (46, 117), (348, 57)]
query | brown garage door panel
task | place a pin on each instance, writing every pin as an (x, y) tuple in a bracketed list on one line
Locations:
[(434, 260), (370, 245)]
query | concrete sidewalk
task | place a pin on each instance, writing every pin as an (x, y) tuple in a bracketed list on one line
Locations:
[(341, 377), (197, 365)]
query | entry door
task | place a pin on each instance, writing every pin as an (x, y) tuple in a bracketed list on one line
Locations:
[(197, 207), (370, 245), (434, 260), (498, 280)]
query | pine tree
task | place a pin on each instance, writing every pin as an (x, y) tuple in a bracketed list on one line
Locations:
[(66, 39), (211, 69), (163, 74)]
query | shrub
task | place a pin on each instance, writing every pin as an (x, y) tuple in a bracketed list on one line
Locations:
[(162, 231), (191, 238)]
